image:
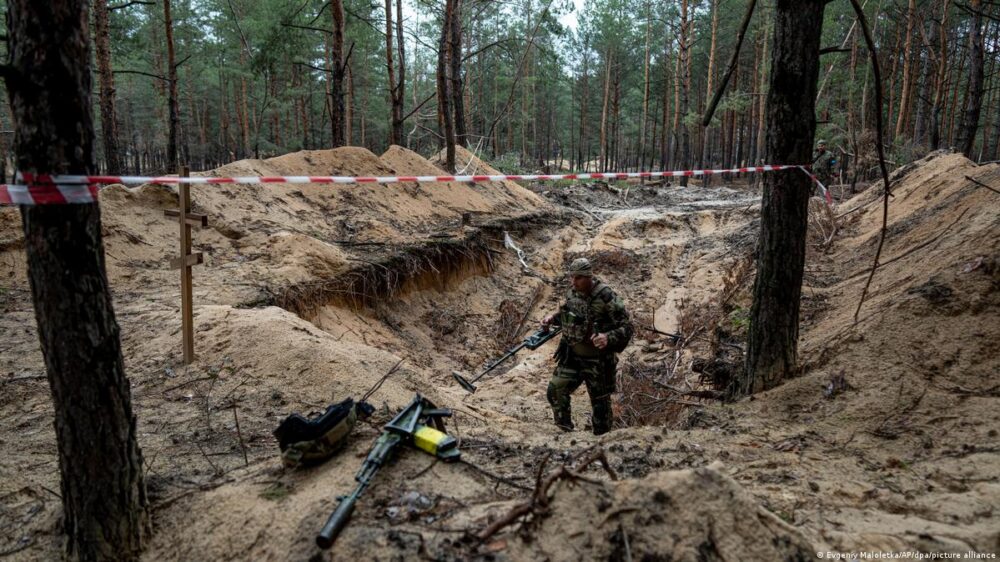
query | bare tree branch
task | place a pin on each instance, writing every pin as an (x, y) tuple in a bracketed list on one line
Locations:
[(141, 73), (421, 104), (878, 146), (307, 28), (314, 67), (732, 65), (182, 61), (130, 3)]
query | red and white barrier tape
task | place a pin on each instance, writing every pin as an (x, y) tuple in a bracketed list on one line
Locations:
[(41, 189), (826, 192)]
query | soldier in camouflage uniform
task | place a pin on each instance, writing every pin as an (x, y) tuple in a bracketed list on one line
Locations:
[(595, 328), (822, 163)]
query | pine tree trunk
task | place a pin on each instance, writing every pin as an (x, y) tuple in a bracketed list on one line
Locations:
[(172, 107), (349, 104), (924, 95), (604, 112), (974, 99), (3, 151), (728, 122), (762, 113), (645, 88), (994, 154), (665, 129), (685, 69), (49, 83), (109, 120), (904, 101), (675, 139), (956, 89), (395, 101), (705, 145), (942, 75), (757, 89), (774, 321), (992, 142), (616, 119), (401, 83), (583, 150), (891, 92), (338, 118), (991, 110), (457, 83), (444, 84)]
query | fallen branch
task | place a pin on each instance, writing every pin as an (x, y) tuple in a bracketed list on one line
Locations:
[(496, 477), (28, 377), (918, 246), (217, 470), (538, 505), (981, 184), (243, 445), (378, 385), (585, 210), (183, 384)]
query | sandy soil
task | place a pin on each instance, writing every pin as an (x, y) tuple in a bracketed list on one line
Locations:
[(312, 293)]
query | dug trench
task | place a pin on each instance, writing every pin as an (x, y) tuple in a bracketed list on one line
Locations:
[(885, 442)]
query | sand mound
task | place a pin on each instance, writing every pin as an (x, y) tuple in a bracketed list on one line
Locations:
[(405, 159), (685, 516), (919, 369), (279, 234)]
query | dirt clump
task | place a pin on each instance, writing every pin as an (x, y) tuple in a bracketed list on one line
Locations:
[(686, 516)]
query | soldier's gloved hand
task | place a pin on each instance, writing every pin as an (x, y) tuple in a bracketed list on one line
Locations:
[(547, 321), (600, 341)]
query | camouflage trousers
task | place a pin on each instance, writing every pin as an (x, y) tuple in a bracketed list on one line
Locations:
[(824, 177), (599, 376)]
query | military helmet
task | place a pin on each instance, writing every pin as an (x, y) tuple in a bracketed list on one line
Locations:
[(313, 439), (581, 267), (820, 142)]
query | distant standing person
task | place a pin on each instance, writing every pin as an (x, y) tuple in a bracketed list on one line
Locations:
[(595, 328), (822, 163)]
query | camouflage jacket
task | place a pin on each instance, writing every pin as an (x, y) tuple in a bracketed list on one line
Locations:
[(823, 164), (600, 312)]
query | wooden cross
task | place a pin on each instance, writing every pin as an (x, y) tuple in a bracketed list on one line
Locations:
[(186, 261)]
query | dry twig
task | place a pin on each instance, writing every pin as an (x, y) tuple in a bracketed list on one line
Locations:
[(981, 184), (538, 505), (378, 384), (243, 445)]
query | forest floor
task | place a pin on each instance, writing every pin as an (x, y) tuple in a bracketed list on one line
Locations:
[(887, 441)]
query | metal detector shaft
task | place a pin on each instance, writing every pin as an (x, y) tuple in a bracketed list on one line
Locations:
[(497, 363), (534, 341)]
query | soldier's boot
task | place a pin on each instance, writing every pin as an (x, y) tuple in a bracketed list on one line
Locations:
[(602, 414), (564, 423), (600, 387), (558, 394)]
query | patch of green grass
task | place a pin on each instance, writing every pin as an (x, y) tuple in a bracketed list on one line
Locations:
[(740, 318)]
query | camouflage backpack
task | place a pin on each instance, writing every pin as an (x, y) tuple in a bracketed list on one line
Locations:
[(313, 439)]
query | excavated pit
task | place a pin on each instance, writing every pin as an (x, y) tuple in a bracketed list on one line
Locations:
[(388, 273), (311, 295)]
